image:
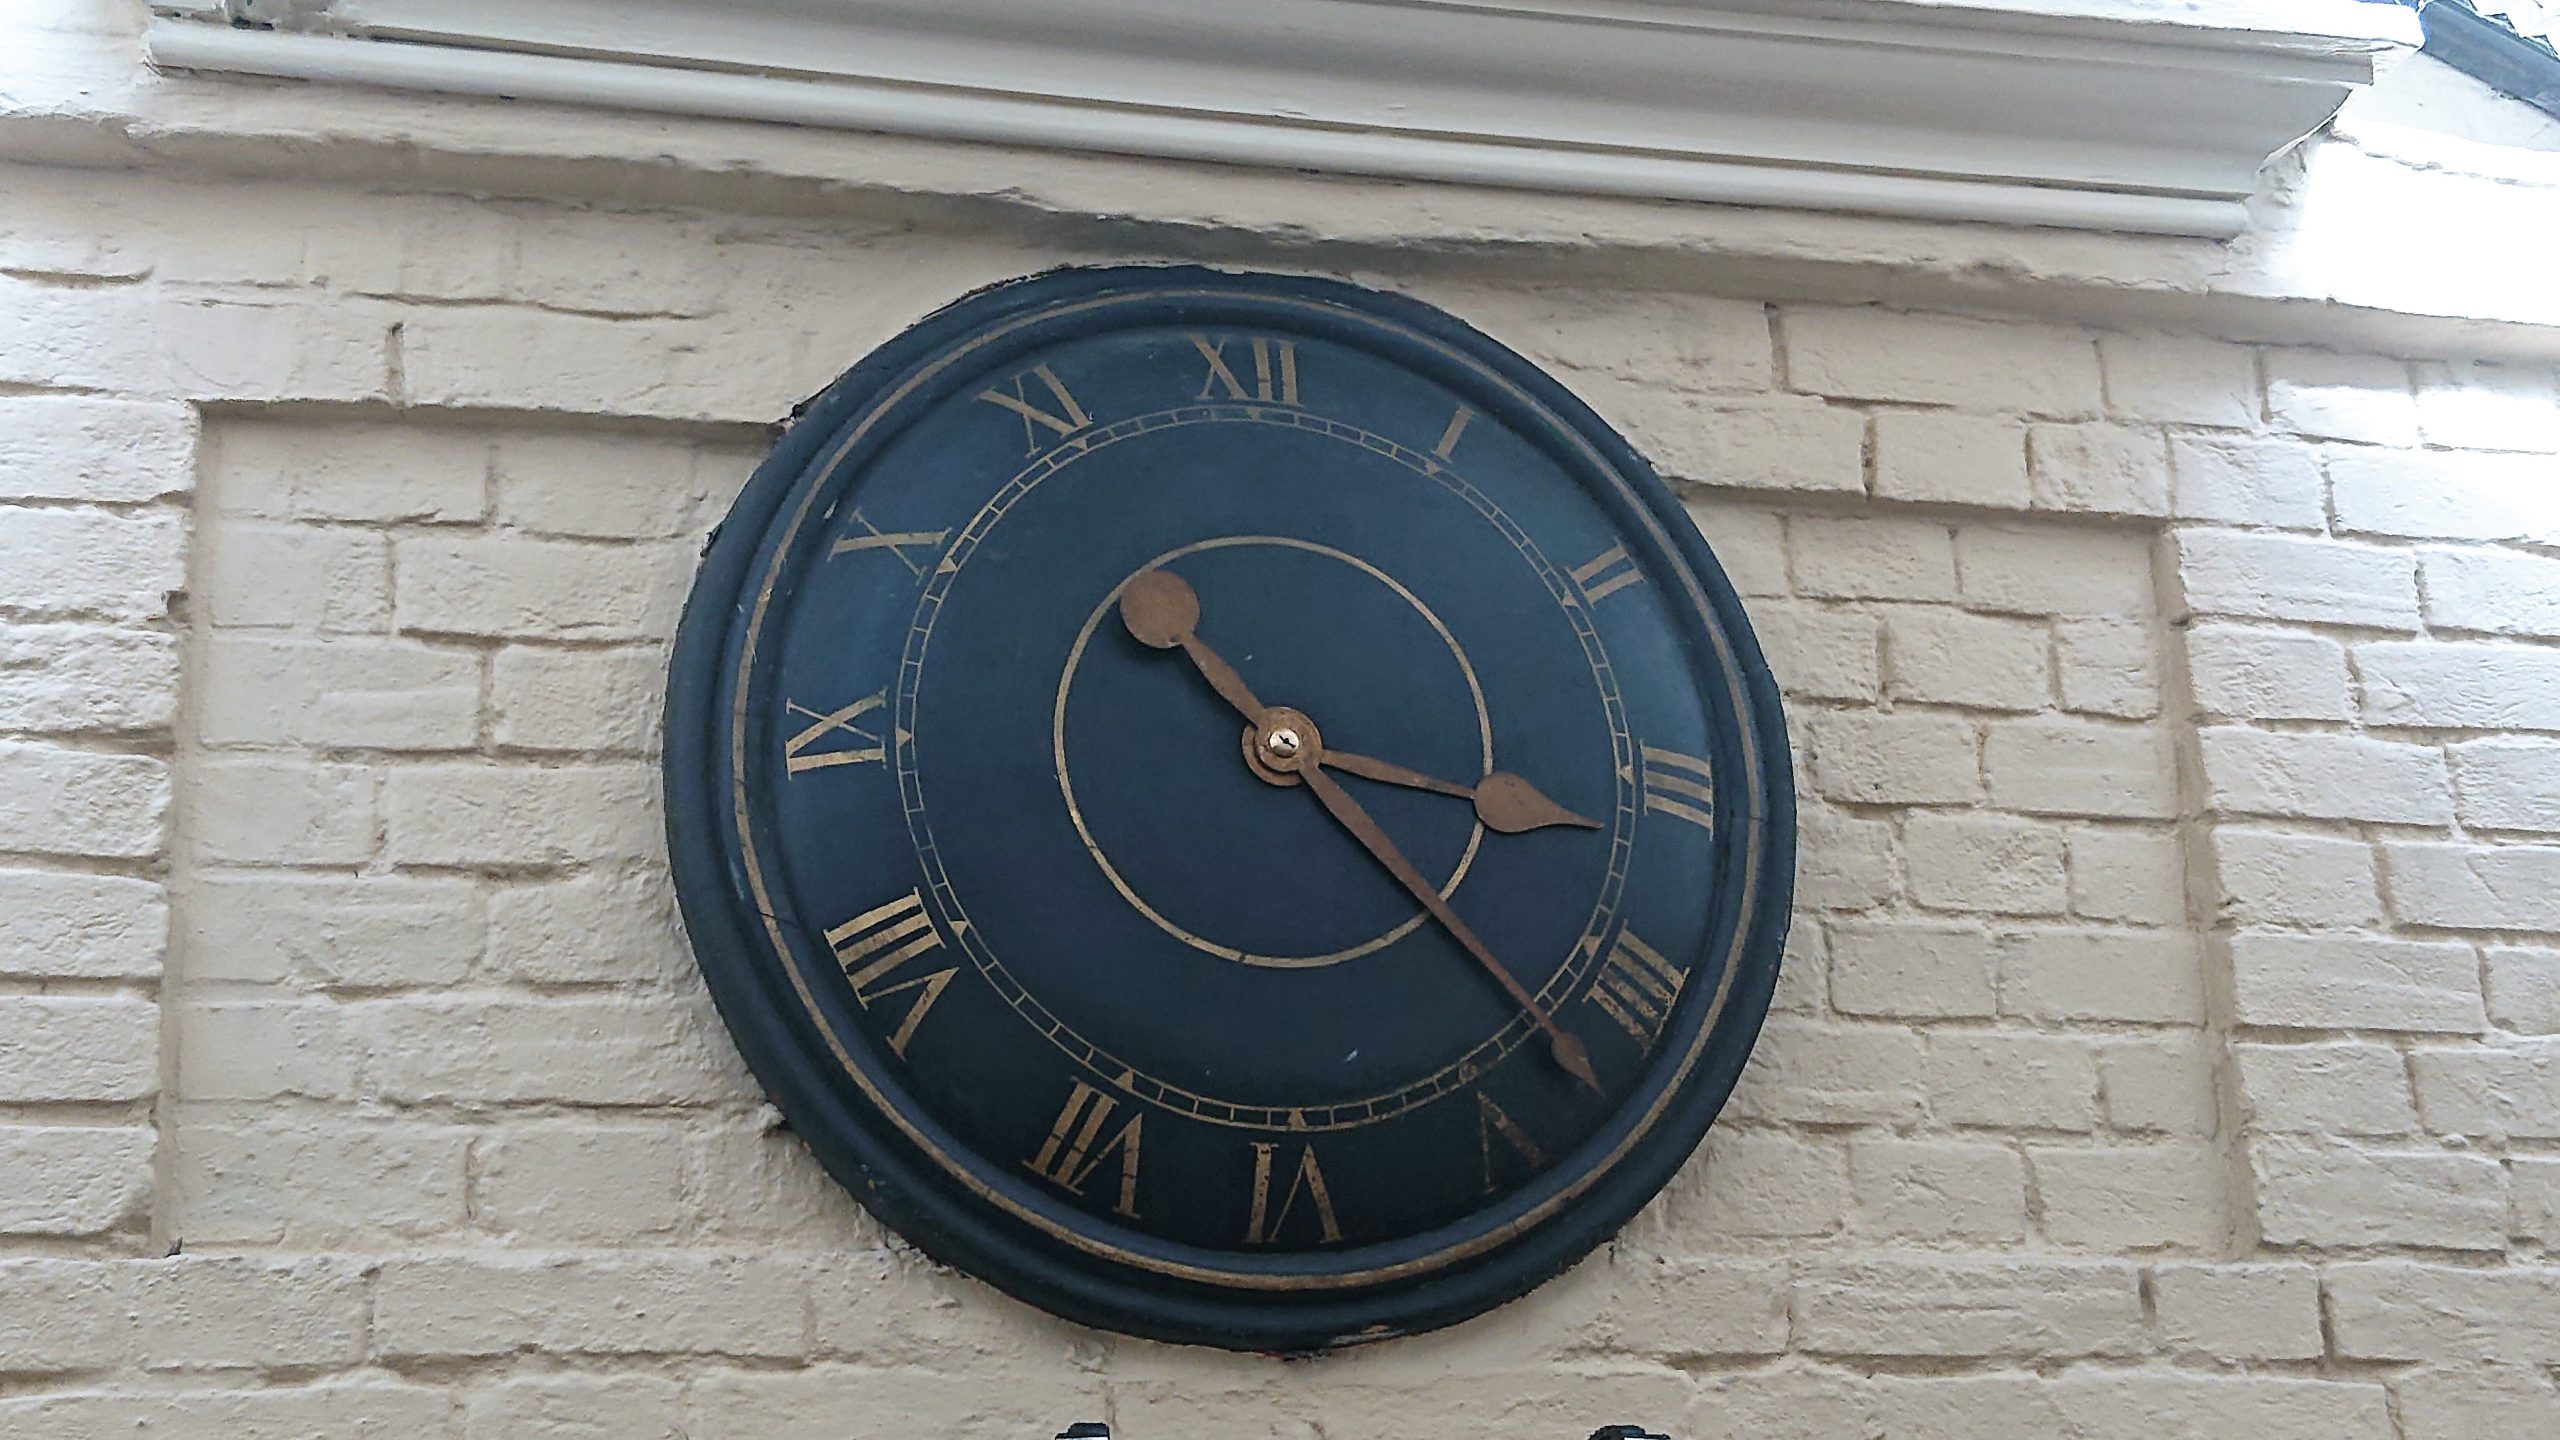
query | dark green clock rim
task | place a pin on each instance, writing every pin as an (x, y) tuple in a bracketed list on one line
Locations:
[(1261, 1303)]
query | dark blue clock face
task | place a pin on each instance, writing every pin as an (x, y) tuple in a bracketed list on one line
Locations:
[(1227, 805)]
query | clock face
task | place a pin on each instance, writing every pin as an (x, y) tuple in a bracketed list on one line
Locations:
[(1230, 806)]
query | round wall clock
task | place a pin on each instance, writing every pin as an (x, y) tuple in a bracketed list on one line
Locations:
[(1230, 806)]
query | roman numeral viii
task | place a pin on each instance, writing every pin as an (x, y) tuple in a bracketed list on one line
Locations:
[(1074, 1147), (1024, 398), (872, 947), (1636, 988), (1275, 371)]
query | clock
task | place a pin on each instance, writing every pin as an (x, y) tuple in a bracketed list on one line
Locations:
[(1230, 806)]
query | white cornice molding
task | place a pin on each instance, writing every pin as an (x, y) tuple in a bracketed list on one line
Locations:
[(1886, 107)]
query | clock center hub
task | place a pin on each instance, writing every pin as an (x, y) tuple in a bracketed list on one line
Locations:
[(1281, 745)]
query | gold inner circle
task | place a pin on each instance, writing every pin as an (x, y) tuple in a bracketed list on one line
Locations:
[(1075, 813)]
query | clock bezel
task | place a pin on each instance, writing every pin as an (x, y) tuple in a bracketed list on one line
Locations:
[(1287, 1302)]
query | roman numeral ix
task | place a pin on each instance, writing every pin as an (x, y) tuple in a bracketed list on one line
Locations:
[(872, 946)]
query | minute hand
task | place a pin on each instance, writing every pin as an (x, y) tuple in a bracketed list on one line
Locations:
[(1504, 801), (1568, 1049)]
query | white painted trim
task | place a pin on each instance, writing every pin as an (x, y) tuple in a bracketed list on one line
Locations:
[(1867, 106)]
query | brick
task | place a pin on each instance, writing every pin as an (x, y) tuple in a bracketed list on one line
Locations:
[(1950, 657), (2053, 571), (2344, 397), (2533, 1187), (2460, 686), (2346, 981), (79, 447), (636, 1303), (2286, 877), (1938, 360), (2494, 592), (1859, 558), (2246, 1312), (1984, 864), (617, 1405), (2458, 1404), (86, 337), (1776, 1186), (2099, 469), (1843, 863), (2507, 783), (1916, 1307), (87, 563), (2107, 667), (1937, 1189), (1896, 759), (613, 486), (1821, 654), (339, 932), (2334, 1197), (1750, 542), (266, 1050), (1804, 972), (337, 694), (2137, 876), (2075, 767), (2443, 494), (366, 1409), (255, 575), (2239, 673), (595, 261), (2469, 404), (351, 1184), (750, 1179), (1955, 1407), (1831, 1074), (2180, 379), (580, 1183), (2259, 576), (2145, 976), (244, 1311), (509, 587), (72, 1180), (2493, 1093), (2160, 1084), (282, 812), (81, 927), (595, 927), (1779, 444), (467, 813), (2011, 1080), (506, 357), (87, 679), (1927, 455), (806, 1402), (61, 1316), (2127, 1404), (56, 801), (572, 1052), (1664, 339), (2132, 1197), (2336, 1088), (1911, 968), (78, 1049), (2250, 480), (2403, 1310), (579, 701), (1680, 1310), (255, 350), (2463, 887), (2325, 777), (2524, 988)]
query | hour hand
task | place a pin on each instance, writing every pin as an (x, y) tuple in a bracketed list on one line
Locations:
[(1162, 612), (1503, 801)]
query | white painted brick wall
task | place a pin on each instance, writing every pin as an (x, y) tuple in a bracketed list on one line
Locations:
[(2165, 1046)]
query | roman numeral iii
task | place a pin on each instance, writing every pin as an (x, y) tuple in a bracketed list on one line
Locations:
[(831, 738), (1636, 988), (872, 947), (1027, 399), (1680, 786), (1275, 371), (1074, 1147)]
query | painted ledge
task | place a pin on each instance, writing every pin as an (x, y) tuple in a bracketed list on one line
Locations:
[(2117, 120)]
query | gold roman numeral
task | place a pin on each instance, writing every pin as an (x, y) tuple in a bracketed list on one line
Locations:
[(1275, 371), (1449, 437), (1306, 1179), (1069, 1156), (831, 738), (872, 945), (1068, 419), (1606, 575), (1492, 1124), (1636, 988), (1680, 786), (896, 542)]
